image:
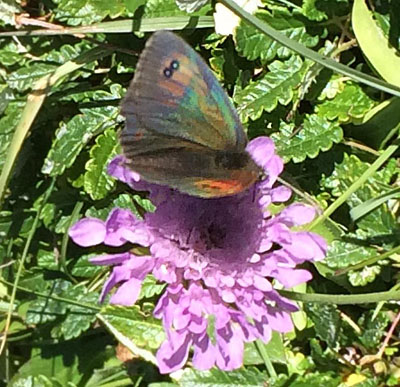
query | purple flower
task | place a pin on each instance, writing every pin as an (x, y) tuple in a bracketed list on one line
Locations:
[(220, 258)]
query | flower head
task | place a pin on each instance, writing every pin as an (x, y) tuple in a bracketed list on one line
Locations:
[(219, 258)]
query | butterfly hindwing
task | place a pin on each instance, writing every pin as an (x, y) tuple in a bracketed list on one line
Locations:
[(196, 170)]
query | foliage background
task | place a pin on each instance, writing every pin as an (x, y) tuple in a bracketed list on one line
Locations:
[(60, 89)]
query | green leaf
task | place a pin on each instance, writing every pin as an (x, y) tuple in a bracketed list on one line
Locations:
[(379, 222), (316, 379), (8, 122), (168, 8), (274, 348), (349, 105), (379, 125), (133, 5), (47, 309), (146, 204), (150, 287), (275, 87), (79, 318), (374, 45), (10, 54), (327, 322), (349, 251), (316, 134), (190, 5), (143, 331), (83, 268), (373, 330), (364, 276), (75, 134), (254, 44), (97, 182), (47, 259), (121, 201), (8, 10), (77, 12), (243, 377), (319, 10), (24, 78), (369, 205), (65, 364)]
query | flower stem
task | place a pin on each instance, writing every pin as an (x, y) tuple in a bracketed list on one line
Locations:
[(267, 361), (343, 299)]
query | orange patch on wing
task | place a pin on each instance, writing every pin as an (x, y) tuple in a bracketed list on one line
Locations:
[(176, 89), (220, 187)]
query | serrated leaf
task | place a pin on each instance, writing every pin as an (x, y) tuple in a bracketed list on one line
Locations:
[(68, 52), (373, 330), (79, 318), (250, 377), (150, 288), (275, 87), (190, 5), (143, 330), (316, 379), (8, 122), (254, 44), (349, 251), (74, 135), (349, 105), (97, 182), (48, 309), (10, 54), (6, 97), (121, 201), (315, 135), (47, 259), (323, 9), (168, 8), (327, 322), (145, 203), (77, 12), (364, 276), (83, 268), (24, 78)]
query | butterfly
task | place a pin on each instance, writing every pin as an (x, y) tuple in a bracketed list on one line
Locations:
[(181, 128)]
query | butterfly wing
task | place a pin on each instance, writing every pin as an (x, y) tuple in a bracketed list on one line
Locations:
[(175, 94), (196, 170), (181, 128)]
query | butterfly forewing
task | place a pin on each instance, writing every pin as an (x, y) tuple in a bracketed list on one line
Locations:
[(174, 91)]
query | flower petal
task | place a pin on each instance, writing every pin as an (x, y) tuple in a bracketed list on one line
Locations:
[(128, 293), (88, 232), (172, 354)]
